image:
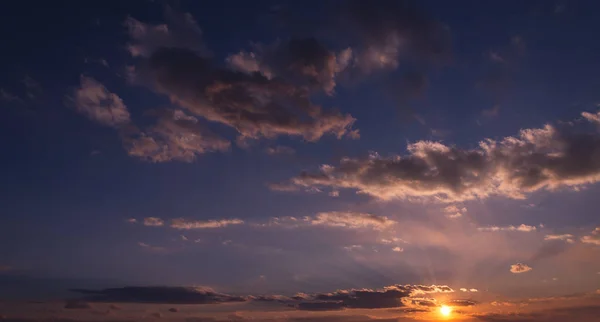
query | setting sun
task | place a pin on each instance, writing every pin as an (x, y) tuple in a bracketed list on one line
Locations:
[(445, 310)]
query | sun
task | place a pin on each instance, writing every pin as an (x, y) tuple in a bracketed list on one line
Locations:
[(445, 310)]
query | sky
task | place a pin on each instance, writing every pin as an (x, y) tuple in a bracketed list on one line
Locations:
[(300, 161)]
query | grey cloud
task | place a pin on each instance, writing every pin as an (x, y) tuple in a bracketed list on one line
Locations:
[(77, 304), (545, 158), (302, 61), (158, 294), (180, 31), (254, 105), (392, 30), (96, 102), (388, 297)]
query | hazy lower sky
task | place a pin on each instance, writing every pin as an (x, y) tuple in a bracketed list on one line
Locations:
[(300, 160)]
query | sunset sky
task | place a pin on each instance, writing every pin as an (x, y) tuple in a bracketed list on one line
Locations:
[(300, 161)]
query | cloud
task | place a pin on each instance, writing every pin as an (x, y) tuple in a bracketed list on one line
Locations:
[(252, 104), (545, 158), (9, 97), (77, 304), (180, 31), (181, 223), (564, 237), (96, 102), (519, 268), (388, 297), (175, 136), (398, 249), (521, 228), (351, 220), (302, 61), (153, 221), (280, 149), (593, 238), (158, 294), (388, 33), (454, 212), (158, 249)]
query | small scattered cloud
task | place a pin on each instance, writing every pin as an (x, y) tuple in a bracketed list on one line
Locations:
[(353, 247), (334, 193), (496, 57), (398, 249), (454, 211), (152, 248), (280, 150), (132, 220), (519, 268), (492, 112), (96, 102), (153, 221)]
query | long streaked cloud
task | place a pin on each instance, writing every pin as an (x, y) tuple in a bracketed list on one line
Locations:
[(521, 228), (334, 219), (351, 220), (564, 237), (536, 159), (181, 223), (159, 294), (96, 102)]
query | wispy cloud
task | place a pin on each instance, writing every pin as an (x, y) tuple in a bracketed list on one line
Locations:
[(351, 220), (181, 223), (521, 228), (565, 237), (153, 221)]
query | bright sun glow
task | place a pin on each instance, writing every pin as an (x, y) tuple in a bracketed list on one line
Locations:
[(445, 310)]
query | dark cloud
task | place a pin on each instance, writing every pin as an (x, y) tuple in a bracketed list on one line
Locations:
[(545, 158), (301, 61), (388, 297), (77, 304), (158, 294), (459, 302), (390, 31), (255, 105)]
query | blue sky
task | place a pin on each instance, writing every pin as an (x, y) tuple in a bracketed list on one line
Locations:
[(275, 148)]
